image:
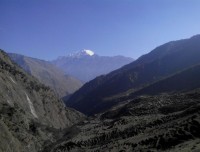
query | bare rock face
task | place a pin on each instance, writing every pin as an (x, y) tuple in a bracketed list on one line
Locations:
[(30, 112)]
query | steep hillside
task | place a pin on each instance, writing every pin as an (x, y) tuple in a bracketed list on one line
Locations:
[(162, 62), (86, 65), (148, 123), (48, 74), (30, 112), (182, 81)]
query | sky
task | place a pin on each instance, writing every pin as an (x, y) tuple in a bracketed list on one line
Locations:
[(46, 29)]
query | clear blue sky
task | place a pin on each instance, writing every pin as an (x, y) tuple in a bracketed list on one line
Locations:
[(47, 29)]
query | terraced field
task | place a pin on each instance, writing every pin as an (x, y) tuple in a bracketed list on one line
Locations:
[(148, 123)]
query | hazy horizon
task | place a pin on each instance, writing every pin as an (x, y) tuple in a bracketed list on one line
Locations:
[(48, 29)]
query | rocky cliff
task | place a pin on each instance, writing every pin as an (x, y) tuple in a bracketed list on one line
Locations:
[(30, 113)]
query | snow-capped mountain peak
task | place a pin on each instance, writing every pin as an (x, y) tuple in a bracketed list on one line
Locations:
[(87, 65), (88, 52), (82, 53), (78, 54)]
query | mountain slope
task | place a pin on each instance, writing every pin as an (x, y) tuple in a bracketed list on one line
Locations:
[(85, 65), (182, 81), (48, 74), (148, 123), (163, 61), (30, 112), (185, 80)]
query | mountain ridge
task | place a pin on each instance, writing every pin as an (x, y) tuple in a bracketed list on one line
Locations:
[(86, 67), (48, 74), (161, 62)]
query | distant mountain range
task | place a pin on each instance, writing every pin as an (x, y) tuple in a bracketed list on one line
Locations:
[(48, 74), (160, 63), (86, 65)]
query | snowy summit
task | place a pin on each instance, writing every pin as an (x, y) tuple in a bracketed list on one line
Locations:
[(80, 54), (89, 52)]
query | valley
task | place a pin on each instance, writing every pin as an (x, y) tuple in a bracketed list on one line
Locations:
[(99, 76), (151, 104)]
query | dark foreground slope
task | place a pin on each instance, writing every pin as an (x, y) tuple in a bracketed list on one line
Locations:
[(148, 123), (48, 74), (160, 63), (30, 112)]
